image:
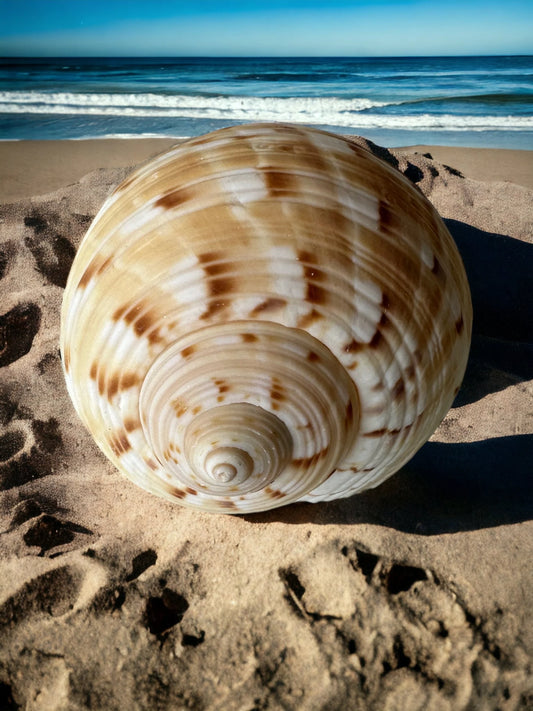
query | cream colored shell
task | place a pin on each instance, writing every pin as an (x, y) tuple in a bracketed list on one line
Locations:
[(262, 315)]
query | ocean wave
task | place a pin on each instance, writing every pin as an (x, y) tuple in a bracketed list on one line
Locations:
[(322, 111), (149, 101), (499, 99)]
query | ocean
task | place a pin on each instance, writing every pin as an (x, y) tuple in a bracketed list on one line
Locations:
[(465, 101)]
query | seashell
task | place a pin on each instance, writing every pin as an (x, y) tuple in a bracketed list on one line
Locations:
[(262, 315)]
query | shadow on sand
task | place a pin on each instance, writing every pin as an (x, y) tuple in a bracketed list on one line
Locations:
[(450, 487)]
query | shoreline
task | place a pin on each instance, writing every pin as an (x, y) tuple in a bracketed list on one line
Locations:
[(38, 167)]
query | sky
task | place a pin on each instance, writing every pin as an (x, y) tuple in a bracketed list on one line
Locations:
[(265, 28)]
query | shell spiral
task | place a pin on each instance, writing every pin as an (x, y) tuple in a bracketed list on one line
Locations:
[(262, 315)]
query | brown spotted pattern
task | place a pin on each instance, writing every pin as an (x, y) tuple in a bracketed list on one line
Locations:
[(275, 266)]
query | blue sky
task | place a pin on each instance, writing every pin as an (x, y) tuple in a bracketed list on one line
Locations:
[(266, 28)]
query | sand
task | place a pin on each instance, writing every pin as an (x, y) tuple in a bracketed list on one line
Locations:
[(416, 595)]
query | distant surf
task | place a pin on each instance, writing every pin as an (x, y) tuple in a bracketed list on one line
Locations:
[(452, 100)]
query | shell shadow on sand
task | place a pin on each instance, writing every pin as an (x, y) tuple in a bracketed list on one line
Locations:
[(460, 486)]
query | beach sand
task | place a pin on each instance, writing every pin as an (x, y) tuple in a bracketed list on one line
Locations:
[(416, 595)]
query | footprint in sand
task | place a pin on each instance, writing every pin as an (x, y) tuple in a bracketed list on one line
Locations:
[(22, 458), (408, 635), (52, 252), (18, 328)]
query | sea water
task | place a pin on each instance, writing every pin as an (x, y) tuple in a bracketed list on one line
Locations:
[(468, 101)]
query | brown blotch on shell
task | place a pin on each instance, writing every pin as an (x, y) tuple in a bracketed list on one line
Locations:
[(112, 385), (117, 382), (384, 321), (119, 443), (129, 380), (277, 393), (227, 504), (385, 431), (376, 339), (270, 304), (145, 325), (178, 493), (307, 258), (129, 312), (398, 389), (94, 370), (313, 357), (142, 317), (188, 351), (279, 182), (307, 426), (174, 198), (131, 424), (179, 406), (213, 263), (315, 294), (222, 385), (101, 380), (249, 338), (308, 319), (121, 313), (213, 308), (387, 218), (310, 461), (353, 346), (190, 491), (459, 324), (274, 493), (349, 411), (376, 433), (96, 267), (218, 282)]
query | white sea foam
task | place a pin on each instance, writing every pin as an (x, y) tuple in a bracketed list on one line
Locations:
[(325, 111), (181, 102)]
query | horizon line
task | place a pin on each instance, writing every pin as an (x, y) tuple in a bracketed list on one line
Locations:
[(259, 56)]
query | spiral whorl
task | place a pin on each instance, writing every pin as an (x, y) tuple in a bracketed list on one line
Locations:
[(238, 409), (237, 445)]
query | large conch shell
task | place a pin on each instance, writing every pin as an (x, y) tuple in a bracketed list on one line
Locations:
[(262, 315)]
